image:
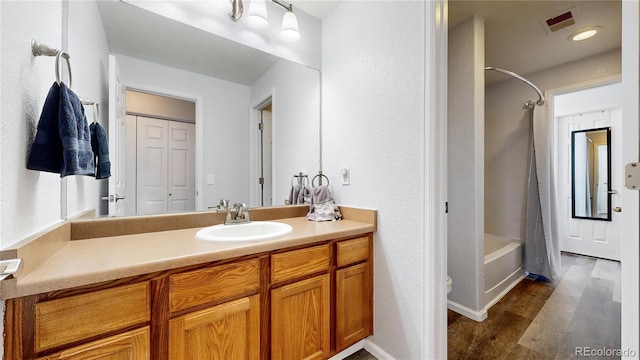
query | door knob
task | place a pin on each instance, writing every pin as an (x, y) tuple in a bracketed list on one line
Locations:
[(617, 209), (113, 198)]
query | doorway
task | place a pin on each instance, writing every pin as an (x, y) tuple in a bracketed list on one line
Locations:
[(266, 146), (587, 218), (261, 138), (161, 146), (630, 204)]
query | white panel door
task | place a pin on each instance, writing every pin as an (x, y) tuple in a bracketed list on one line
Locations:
[(584, 236), (181, 172), (117, 141), (152, 166)]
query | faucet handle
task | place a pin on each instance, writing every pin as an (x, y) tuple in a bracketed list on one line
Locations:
[(224, 203)]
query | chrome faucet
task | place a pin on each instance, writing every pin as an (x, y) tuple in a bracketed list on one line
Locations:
[(239, 215)]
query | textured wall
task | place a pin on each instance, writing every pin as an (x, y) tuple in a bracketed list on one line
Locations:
[(373, 117), (30, 199), (507, 142), (466, 163)]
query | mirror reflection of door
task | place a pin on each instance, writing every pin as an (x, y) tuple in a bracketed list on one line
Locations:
[(161, 149), (266, 143), (591, 174)]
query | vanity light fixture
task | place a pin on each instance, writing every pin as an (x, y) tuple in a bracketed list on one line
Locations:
[(584, 34), (257, 16), (236, 10)]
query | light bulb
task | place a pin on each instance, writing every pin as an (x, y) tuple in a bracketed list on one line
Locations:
[(585, 33), (257, 16), (290, 29)]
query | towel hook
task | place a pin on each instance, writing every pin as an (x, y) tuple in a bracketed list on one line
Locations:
[(66, 56), (320, 176), (96, 112), (94, 106), (39, 49)]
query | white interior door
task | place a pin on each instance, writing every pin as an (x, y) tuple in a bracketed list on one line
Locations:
[(181, 172), (584, 236), (152, 166), (117, 141)]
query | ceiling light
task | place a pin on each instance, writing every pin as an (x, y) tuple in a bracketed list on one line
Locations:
[(585, 33)]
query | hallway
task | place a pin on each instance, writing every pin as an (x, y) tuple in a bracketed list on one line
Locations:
[(536, 320)]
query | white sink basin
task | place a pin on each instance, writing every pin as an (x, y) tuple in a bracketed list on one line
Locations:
[(253, 231)]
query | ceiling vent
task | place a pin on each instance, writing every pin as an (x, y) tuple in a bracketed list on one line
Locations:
[(560, 21)]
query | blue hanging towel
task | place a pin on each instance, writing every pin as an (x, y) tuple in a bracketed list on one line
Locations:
[(100, 147), (63, 141), (77, 156), (46, 150)]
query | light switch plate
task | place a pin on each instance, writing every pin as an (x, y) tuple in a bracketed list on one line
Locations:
[(210, 179)]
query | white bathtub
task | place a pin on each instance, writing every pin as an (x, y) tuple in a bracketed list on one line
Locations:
[(502, 267)]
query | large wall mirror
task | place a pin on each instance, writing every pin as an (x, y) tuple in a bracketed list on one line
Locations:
[(591, 174), (234, 87)]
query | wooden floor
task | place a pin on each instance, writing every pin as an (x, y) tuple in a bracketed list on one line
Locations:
[(538, 320), (361, 355)]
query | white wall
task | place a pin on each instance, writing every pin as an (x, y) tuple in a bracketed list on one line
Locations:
[(507, 143), (30, 199), (373, 113), (296, 122), (90, 68), (225, 108), (466, 163)]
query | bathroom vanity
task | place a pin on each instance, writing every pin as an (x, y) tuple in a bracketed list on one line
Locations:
[(101, 291)]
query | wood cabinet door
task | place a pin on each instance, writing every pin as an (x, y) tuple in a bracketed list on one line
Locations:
[(353, 305), (132, 345), (227, 331), (300, 320)]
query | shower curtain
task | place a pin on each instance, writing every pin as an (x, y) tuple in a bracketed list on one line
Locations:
[(541, 242)]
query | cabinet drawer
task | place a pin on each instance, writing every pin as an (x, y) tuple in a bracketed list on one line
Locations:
[(132, 345), (216, 283), (297, 263), (79, 317), (352, 251)]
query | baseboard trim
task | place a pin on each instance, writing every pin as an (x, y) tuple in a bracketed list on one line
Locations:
[(376, 350), (348, 351), (478, 316), (366, 344)]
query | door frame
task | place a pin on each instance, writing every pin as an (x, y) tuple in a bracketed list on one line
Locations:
[(435, 265), (630, 199), (254, 148), (550, 100), (434, 271), (197, 99)]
